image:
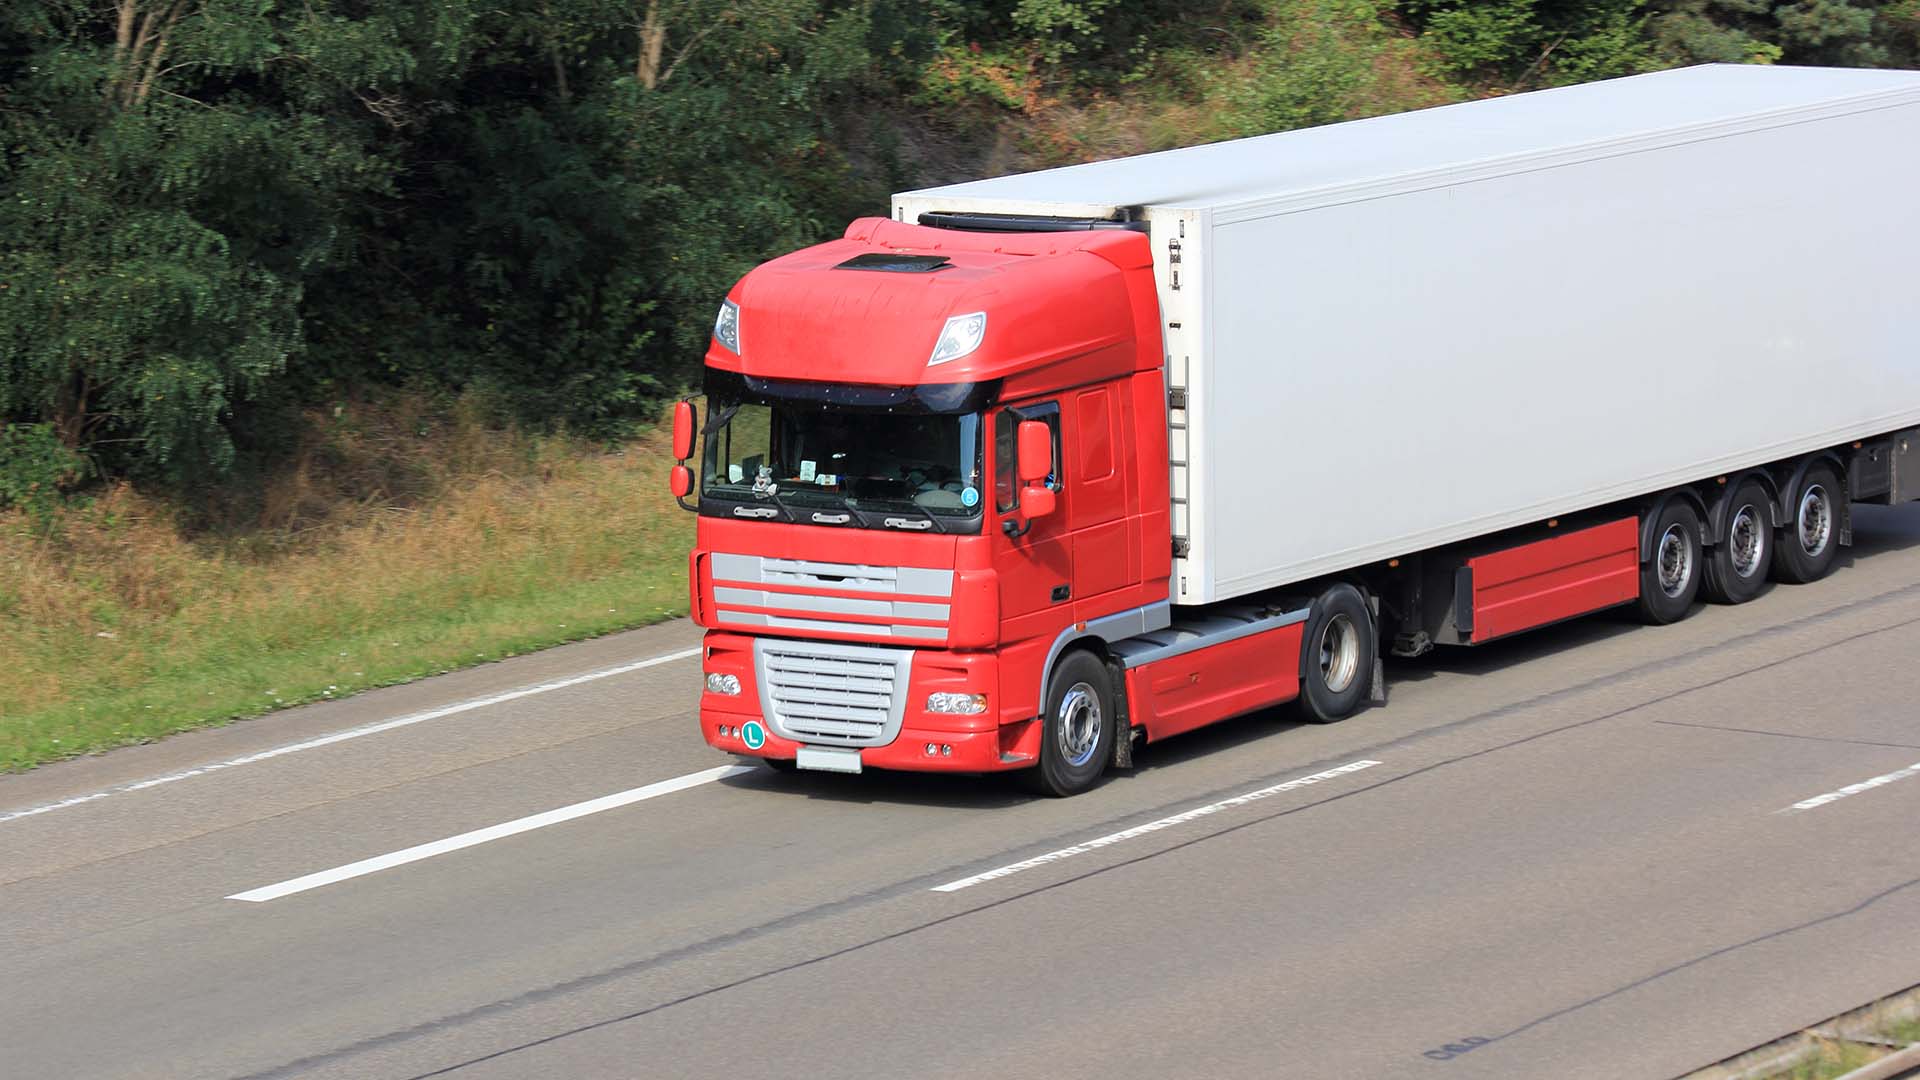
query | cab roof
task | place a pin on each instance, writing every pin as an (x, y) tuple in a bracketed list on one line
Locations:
[(870, 306)]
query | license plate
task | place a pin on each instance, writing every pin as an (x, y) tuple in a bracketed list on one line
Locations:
[(828, 760)]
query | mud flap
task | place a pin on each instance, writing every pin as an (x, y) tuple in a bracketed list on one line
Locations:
[(1378, 695)]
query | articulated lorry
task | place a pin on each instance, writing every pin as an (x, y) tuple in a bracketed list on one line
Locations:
[(1044, 467)]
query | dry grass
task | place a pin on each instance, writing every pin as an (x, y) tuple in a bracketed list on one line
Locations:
[(392, 545)]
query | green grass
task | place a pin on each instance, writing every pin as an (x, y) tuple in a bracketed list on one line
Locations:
[(118, 627), (1837, 1058)]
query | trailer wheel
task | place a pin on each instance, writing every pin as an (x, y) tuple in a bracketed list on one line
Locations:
[(1076, 731), (1737, 566), (1671, 578), (1336, 656), (1810, 540)]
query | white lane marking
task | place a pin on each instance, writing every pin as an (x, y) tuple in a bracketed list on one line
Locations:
[(355, 733), (1852, 789), (1153, 826), (491, 832)]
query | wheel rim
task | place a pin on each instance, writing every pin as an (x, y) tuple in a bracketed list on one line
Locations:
[(1339, 653), (1080, 723), (1746, 542), (1676, 561), (1815, 521)]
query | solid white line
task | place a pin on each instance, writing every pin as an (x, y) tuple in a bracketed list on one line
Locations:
[(355, 733), (1152, 826), (1852, 789), (491, 832)]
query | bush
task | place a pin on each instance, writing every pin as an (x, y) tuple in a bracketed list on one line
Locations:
[(35, 467)]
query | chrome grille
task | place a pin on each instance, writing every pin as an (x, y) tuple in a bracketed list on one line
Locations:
[(837, 695)]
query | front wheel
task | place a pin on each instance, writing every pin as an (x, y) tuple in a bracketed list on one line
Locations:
[(1076, 736)]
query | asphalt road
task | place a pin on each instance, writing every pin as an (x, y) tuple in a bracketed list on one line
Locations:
[(1574, 854)]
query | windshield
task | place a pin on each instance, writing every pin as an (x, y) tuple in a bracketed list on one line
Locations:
[(876, 464)]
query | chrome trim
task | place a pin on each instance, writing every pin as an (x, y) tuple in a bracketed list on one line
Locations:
[(831, 694), (823, 626), (830, 605), (761, 570)]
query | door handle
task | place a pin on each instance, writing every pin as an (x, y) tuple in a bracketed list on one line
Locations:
[(1062, 592)]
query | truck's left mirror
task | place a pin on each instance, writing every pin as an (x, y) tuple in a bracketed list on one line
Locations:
[(681, 481), (683, 425)]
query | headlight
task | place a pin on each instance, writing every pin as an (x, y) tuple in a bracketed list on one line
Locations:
[(726, 327), (961, 335), (957, 703), (722, 684)]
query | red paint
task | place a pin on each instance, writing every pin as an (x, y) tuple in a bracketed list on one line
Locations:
[(976, 740), (1197, 688), (1549, 580), (793, 305), (1097, 359)]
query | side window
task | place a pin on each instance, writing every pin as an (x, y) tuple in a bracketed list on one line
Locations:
[(1006, 471)]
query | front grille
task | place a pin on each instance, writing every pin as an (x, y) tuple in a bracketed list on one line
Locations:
[(838, 695)]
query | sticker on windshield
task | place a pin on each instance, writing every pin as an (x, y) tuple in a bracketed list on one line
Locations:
[(807, 469), (970, 497)]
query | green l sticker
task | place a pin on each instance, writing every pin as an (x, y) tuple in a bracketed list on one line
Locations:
[(753, 735)]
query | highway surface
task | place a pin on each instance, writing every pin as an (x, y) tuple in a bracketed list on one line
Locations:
[(1600, 850)]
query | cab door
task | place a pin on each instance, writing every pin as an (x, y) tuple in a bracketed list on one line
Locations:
[(1034, 562)]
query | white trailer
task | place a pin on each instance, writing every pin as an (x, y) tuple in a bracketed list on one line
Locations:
[(1393, 334)]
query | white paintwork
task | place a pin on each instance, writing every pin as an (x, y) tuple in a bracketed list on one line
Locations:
[(1167, 822), (492, 832), (1853, 789), (1406, 331), (352, 733)]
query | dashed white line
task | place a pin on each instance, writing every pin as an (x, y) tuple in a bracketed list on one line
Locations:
[(1852, 789), (354, 733), (491, 832), (1153, 826)]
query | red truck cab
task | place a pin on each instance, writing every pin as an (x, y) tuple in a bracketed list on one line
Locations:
[(878, 582)]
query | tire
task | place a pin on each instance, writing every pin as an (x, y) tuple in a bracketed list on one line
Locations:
[(781, 765), (1737, 565), (1670, 579), (1337, 652), (1076, 731), (1807, 545)]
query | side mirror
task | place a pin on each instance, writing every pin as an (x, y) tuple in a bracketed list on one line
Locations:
[(1036, 451), (1037, 501), (683, 428), (680, 481)]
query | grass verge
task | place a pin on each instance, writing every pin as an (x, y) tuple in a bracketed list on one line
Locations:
[(396, 543)]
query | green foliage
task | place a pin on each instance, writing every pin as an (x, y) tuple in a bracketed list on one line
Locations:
[(1524, 44), (34, 467), (1314, 62), (215, 211)]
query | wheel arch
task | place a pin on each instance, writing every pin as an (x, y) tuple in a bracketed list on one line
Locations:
[(1097, 634), (1717, 514), (1651, 517), (1783, 493)]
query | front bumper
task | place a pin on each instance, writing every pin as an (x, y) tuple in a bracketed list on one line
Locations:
[(925, 742)]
